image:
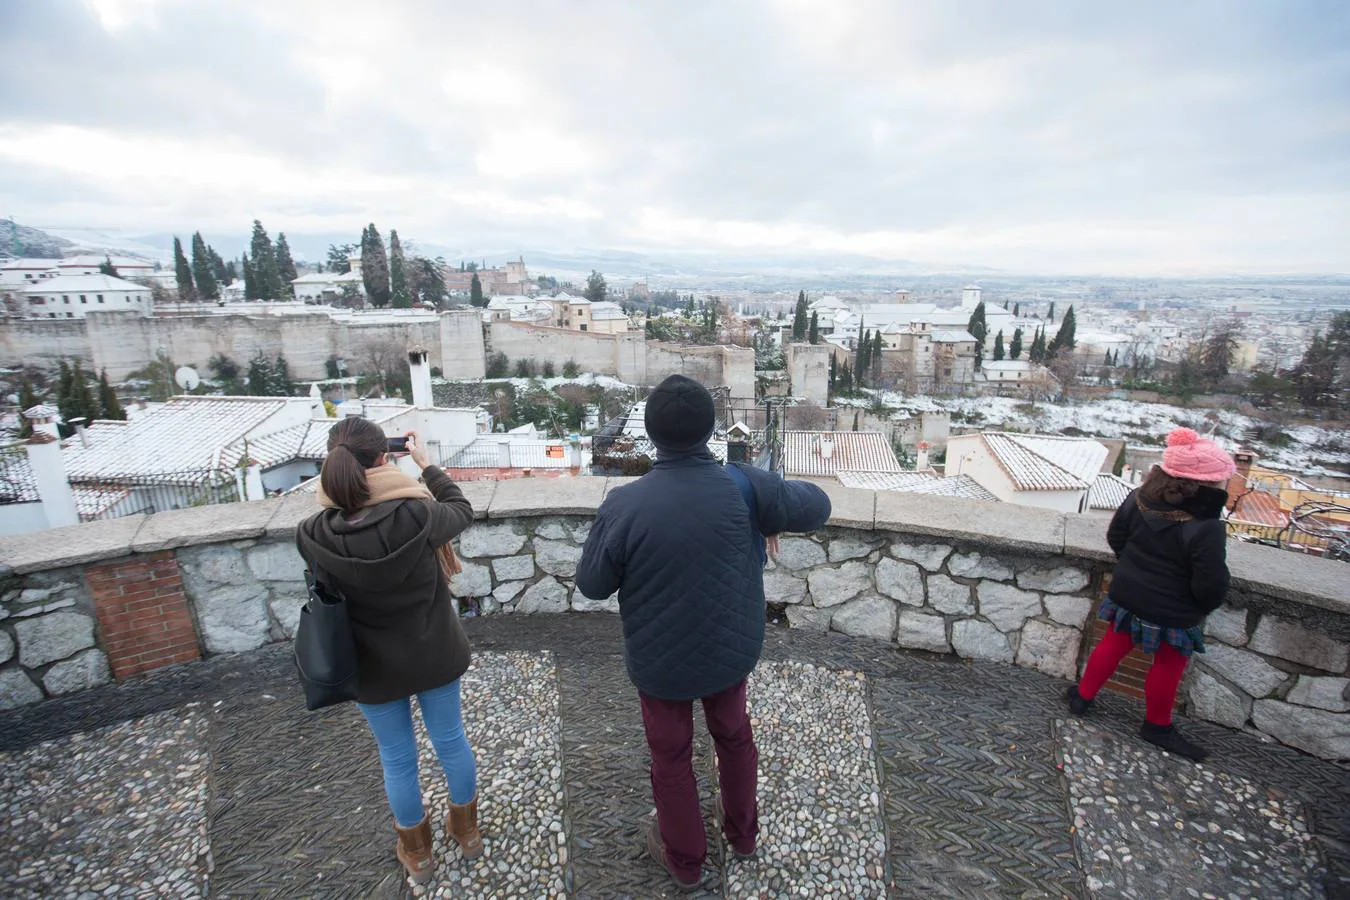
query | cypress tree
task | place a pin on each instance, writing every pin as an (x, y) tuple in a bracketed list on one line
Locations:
[(875, 356), (863, 352), (1017, 310), (374, 267), (250, 282), (834, 370), (398, 276), (259, 375), (476, 292), (186, 291), (998, 346), (1015, 348), (979, 329), (106, 267), (28, 399), (63, 390), (285, 267), (109, 407), (1051, 315), (266, 277), (1108, 359), (219, 268), (799, 321), (81, 398), (204, 270), (813, 333), (1064, 338)]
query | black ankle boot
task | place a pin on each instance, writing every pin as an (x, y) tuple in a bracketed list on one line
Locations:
[(1168, 738), (1077, 705)]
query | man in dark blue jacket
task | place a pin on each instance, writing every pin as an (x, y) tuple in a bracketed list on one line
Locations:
[(684, 547)]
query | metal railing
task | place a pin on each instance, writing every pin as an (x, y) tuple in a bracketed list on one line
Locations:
[(116, 497)]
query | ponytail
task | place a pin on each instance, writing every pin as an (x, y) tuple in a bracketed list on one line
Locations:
[(344, 479), (354, 444)]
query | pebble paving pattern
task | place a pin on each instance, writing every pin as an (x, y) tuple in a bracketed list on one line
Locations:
[(821, 830), (1153, 825), (510, 703), (974, 800), (114, 812)]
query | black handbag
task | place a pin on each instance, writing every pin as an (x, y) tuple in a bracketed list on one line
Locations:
[(325, 651)]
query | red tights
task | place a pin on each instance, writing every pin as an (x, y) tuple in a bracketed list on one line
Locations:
[(1160, 687)]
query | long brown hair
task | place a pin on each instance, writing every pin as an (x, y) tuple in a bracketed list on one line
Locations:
[(354, 444), (1159, 488)]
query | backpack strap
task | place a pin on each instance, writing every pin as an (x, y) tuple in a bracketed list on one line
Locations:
[(748, 495)]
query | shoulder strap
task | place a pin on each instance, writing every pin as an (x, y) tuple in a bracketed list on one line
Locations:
[(748, 495)]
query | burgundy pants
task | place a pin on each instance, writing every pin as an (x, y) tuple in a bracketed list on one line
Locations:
[(670, 736)]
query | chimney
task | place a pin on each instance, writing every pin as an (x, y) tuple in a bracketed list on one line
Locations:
[(826, 448), (1244, 458), (49, 468), (420, 370), (80, 423), (921, 460)]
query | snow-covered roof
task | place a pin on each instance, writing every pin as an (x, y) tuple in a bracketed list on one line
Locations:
[(308, 440), (185, 439), (88, 260), (823, 453), (17, 482), (1108, 491), (73, 284), (1046, 462), (29, 264), (952, 337), (917, 483), (1007, 365), (318, 278), (92, 500), (606, 311)]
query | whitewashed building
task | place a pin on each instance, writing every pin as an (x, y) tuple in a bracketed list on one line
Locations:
[(324, 287), (126, 266), (17, 274), (72, 296), (1048, 471)]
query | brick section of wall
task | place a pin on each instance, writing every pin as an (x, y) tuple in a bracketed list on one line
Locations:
[(1129, 677), (142, 613)]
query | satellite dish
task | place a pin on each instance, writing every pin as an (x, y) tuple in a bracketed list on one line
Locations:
[(187, 378)]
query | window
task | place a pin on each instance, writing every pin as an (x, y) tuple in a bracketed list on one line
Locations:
[(583, 326), (70, 315), (51, 315), (65, 297), (36, 301), (100, 298), (555, 452), (84, 299), (947, 371)]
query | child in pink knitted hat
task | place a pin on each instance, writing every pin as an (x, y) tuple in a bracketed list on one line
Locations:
[(1171, 572)]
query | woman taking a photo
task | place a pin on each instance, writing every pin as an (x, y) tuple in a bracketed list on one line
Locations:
[(383, 541)]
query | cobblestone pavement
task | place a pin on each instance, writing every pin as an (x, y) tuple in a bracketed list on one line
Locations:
[(943, 778)]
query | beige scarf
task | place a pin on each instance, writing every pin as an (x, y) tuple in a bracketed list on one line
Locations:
[(389, 483)]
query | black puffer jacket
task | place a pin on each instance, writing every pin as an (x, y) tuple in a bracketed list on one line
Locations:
[(1172, 568), (678, 547)]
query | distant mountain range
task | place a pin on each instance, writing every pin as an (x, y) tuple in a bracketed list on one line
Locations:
[(763, 271)]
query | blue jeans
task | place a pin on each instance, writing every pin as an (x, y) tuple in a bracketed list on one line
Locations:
[(393, 728)]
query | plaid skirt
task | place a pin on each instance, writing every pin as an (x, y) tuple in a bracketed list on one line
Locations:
[(1147, 636)]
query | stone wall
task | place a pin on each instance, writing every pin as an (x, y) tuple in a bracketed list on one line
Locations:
[(980, 581), (44, 341)]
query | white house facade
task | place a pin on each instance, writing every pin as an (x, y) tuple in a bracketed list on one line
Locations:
[(71, 296)]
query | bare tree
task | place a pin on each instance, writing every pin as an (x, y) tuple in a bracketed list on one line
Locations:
[(383, 359)]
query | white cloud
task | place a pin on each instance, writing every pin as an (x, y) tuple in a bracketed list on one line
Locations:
[(1133, 138)]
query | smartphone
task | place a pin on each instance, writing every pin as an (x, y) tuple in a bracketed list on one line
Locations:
[(397, 445)]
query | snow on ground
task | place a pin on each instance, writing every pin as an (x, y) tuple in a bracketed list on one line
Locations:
[(1311, 449)]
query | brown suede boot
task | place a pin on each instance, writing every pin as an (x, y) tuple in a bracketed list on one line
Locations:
[(414, 850), (462, 825)]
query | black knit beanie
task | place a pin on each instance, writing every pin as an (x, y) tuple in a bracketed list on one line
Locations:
[(680, 414)]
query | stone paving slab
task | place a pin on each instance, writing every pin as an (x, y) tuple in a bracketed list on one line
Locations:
[(821, 826), (115, 812), (510, 703), (1149, 824)]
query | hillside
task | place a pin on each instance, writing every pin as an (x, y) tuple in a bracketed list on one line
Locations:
[(20, 240)]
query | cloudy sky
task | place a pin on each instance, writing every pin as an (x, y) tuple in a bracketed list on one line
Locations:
[(1027, 135)]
